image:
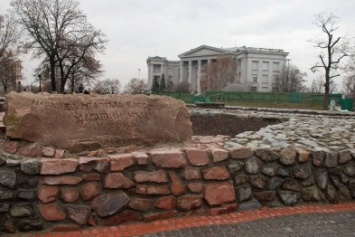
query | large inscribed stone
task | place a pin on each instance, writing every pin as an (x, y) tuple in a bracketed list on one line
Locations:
[(79, 122)]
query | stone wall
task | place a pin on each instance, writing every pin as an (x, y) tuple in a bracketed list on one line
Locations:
[(67, 193)]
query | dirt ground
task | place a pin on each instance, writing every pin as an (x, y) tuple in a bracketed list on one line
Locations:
[(229, 125)]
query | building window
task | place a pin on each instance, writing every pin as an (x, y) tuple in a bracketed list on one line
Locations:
[(274, 78), (156, 68), (253, 89), (255, 78), (265, 66), (276, 66), (255, 65), (265, 78)]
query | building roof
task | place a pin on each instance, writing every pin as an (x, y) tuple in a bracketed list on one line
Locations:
[(210, 48)]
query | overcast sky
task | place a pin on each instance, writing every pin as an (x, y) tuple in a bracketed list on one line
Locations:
[(137, 29)]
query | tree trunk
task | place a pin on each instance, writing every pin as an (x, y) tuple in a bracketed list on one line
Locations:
[(326, 91), (53, 82)]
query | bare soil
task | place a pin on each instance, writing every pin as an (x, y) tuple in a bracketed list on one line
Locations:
[(230, 125)]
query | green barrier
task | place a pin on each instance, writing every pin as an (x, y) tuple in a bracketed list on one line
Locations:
[(271, 97), (347, 104)]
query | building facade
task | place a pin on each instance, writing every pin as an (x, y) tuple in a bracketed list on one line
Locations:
[(257, 68)]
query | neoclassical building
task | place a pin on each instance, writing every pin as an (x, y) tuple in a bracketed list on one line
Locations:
[(257, 68)]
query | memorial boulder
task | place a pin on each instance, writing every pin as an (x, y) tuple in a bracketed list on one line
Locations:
[(83, 122)]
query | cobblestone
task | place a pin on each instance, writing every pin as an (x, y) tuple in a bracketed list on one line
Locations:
[(327, 225), (336, 220), (320, 130)]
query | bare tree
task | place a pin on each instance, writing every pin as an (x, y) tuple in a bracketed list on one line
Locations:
[(59, 30), (85, 72), (108, 86), (182, 87), (219, 74), (10, 71), (10, 65), (291, 79), (136, 86), (317, 84), (349, 80), (333, 50), (8, 35)]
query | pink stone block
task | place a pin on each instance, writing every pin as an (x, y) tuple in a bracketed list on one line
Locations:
[(58, 166), (197, 157)]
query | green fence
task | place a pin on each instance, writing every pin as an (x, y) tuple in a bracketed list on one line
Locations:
[(217, 96)]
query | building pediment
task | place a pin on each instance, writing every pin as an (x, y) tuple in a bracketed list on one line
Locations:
[(203, 50)]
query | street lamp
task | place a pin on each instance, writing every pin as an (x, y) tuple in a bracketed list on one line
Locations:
[(40, 82), (288, 68), (139, 73)]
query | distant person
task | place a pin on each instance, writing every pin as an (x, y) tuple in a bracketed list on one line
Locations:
[(81, 88)]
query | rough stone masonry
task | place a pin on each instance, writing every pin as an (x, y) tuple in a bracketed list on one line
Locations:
[(86, 122)]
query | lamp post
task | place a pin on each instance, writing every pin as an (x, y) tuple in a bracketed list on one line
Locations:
[(288, 68), (19, 86), (139, 73), (40, 82)]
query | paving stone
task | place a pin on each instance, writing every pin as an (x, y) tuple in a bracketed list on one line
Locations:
[(90, 190), (250, 205), (121, 218), (47, 194), (331, 160), (110, 203), (8, 178), (27, 194), (78, 214), (197, 157), (33, 224), (244, 193), (219, 155), (235, 166), (344, 157), (21, 210), (176, 185), (252, 165), (168, 158), (219, 193), (289, 198), (267, 155), (216, 173), (151, 190), (189, 202), (60, 180), (69, 195), (94, 164), (118, 180), (288, 156), (51, 212), (166, 203), (159, 176), (318, 158), (192, 173), (240, 152), (58, 166), (140, 204), (119, 162), (30, 166)]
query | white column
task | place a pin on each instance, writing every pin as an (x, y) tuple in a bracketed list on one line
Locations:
[(199, 63), (190, 72), (181, 78), (150, 74)]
